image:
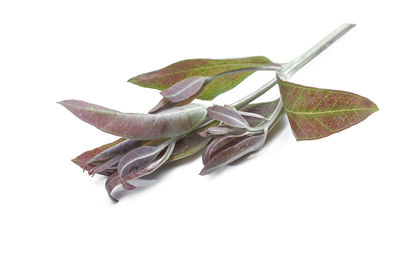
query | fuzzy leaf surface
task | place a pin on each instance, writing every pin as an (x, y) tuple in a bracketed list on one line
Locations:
[(234, 152), (137, 159), (188, 146), (184, 89), (168, 123), (166, 77), (316, 113), (83, 158), (227, 115)]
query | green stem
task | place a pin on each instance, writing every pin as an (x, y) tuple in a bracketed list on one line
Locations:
[(293, 66)]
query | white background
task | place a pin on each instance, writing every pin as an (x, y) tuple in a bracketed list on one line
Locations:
[(330, 202)]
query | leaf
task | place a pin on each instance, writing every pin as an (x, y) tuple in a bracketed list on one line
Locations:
[(114, 180), (188, 146), (83, 158), (106, 165), (264, 109), (219, 130), (114, 150), (170, 75), (169, 123), (137, 158), (316, 113), (227, 115), (184, 89), (149, 168), (234, 152), (217, 144)]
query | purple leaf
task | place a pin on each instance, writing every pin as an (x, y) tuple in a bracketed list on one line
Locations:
[(234, 152), (227, 115), (217, 144), (169, 123), (185, 89), (188, 146), (149, 168), (264, 109), (218, 130), (137, 159), (111, 183), (119, 148), (106, 165), (83, 158)]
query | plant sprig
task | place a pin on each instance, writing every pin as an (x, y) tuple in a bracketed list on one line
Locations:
[(176, 128)]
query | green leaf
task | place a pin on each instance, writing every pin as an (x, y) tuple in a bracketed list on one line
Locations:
[(316, 113), (166, 77)]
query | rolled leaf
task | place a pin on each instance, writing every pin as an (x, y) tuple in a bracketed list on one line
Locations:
[(169, 123), (137, 159), (114, 150), (219, 130), (264, 109), (170, 75), (227, 115), (234, 152), (149, 168), (316, 113), (106, 165), (217, 144), (111, 183), (184, 89)]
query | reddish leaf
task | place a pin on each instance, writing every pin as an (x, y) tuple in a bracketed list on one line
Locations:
[(184, 89), (169, 123), (227, 115), (170, 75), (83, 158), (316, 113), (188, 146), (234, 152)]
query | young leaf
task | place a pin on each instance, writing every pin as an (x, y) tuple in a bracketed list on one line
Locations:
[(83, 158), (106, 165), (169, 123), (114, 150), (188, 146), (217, 144), (219, 130), (264, 109), (137, 159), (316, 113), (184, 89), (234, 152), (168, 76), (149, 168), (227, 115)]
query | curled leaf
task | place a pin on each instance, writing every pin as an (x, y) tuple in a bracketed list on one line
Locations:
[(149, 168), (184, 89), (114, 150), (219, 130), (227, 115), (170, 75), (216, 144), (234, 152), (316, 113), (106, 165), (169, 123), (138, 158)]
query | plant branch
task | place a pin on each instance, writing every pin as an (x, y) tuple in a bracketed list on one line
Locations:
[(293, 66)]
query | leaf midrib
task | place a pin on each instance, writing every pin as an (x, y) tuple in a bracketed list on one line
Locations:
[(329, 111), (210, 67)]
